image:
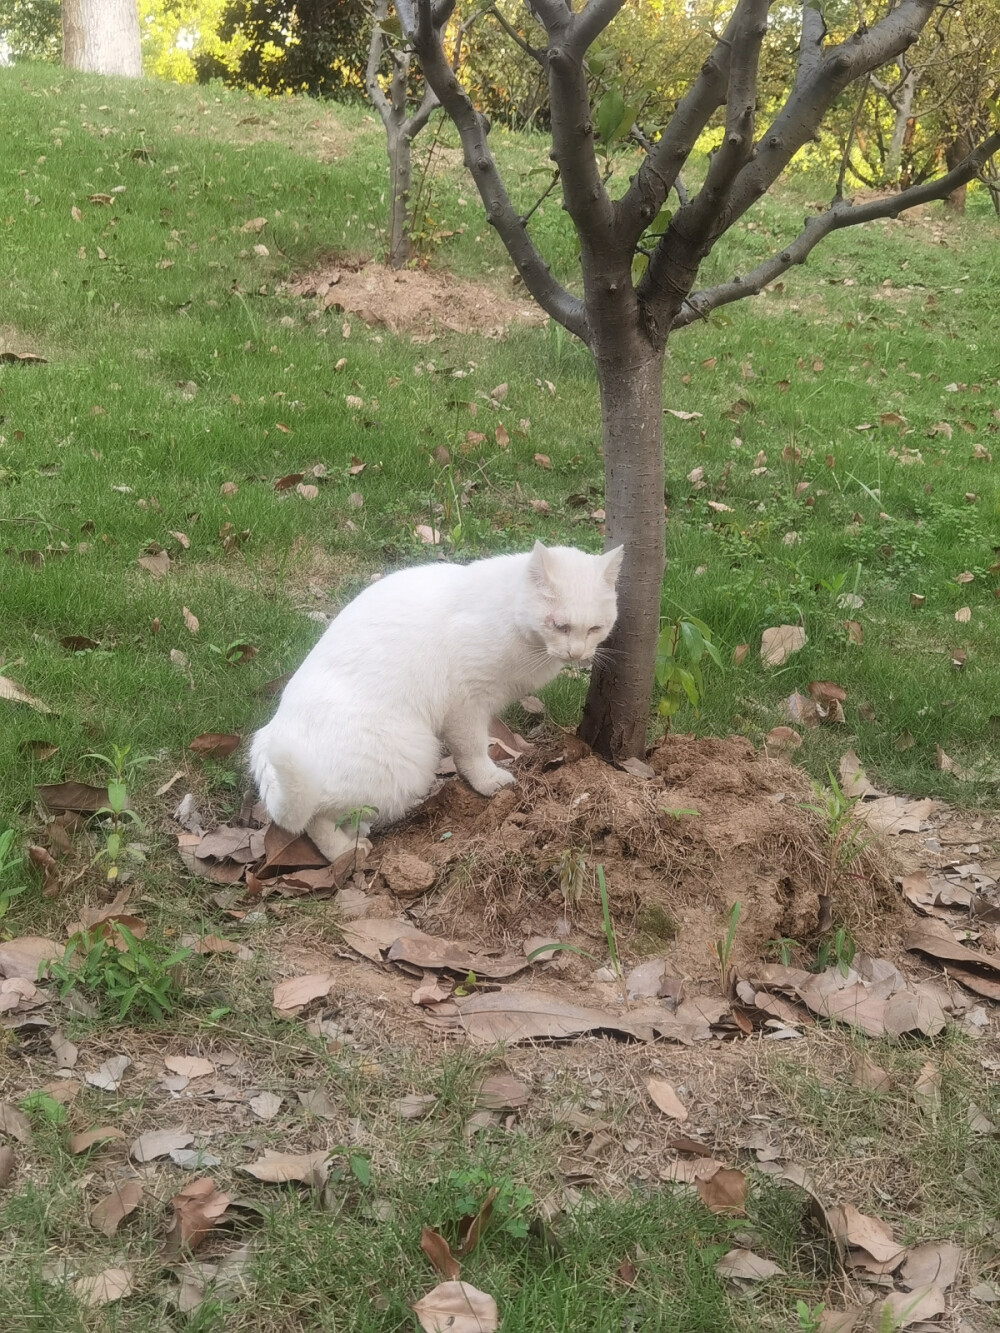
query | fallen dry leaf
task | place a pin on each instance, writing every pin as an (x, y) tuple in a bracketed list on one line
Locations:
[(895, 814), (89, 1137), (109, 1075), (963, 615), (157, 564), (747, 1266), (782, 738), (927, 1090), (275, 1168), (724, 1191), (79, 797), (935, 1263), (108, 1214), (856, 1231), (188, 1066), (522, 1015), (502, 1092), (295, 993), (15, 1123), (190, 620), (778, 644), (215, 744), (22, 957), (265, 1105), (666, 1099), (12, 693), (457, 1307), (543, 461), (870, 1076), (428, 535), (900, 1309), (112, 1284), (159, 1142), (683, 416), (197, 1209), (438, 1251), (7, 1160)]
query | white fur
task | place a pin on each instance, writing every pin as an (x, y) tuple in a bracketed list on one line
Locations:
[(424, 658)]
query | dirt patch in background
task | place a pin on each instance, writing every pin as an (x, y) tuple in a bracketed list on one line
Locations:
[(417, 301)]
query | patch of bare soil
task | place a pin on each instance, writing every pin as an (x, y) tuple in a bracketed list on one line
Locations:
[(717, 824), (417, 301)]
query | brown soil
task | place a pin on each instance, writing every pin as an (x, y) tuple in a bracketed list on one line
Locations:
[(672, 877), (418, 301)]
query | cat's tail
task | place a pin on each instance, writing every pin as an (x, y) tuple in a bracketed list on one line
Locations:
[(289, 796)]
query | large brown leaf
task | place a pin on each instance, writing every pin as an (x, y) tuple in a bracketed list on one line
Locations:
[(935, 939), (438, 1251), (77, 796), (276, 1168), (381, 939), (114, 1207), (197, 1209), (457, 1307), (858, 1231), (23, 956), (523, 1015)]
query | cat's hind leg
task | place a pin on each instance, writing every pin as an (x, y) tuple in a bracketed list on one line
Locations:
[(467, 736), (334, 838)]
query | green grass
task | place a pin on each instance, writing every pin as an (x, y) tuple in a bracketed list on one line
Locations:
[(106, 449)]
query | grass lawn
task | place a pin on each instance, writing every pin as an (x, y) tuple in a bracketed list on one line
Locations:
[(847, 420)]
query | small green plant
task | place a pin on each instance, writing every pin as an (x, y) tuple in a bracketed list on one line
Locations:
[(840, 949), (117, 809), (140, 977), (781, 949), (723, 948), (808, 1319), (11, 864), (843, 832), (683, 645), (609, 925), (44, 1106), (510, 1205), (678, 812)]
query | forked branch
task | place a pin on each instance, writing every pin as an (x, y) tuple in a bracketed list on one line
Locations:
[(839, 215), (422, 22)]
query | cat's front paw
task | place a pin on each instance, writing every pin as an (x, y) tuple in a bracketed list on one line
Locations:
[(489, 781)]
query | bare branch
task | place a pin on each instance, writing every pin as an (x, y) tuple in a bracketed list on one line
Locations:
[(845, 159), (810, 42), (419, 23), (378, 97), (516, 37), (655, 178), (428, 105), (817, 84), (591, 21), (839, 215)]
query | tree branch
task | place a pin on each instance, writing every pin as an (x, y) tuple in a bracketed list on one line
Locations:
[(838, 216), (655, 178), (817, 83), (516, 37), (590, 22), (421, 27), (375, 93), (428, 105), (810, 42)]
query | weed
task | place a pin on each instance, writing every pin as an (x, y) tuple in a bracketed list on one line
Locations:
[(843, 833), (680, 650), (808, 1319), (571, 872), (117, 809), (511, 1201), (140, 977), (609, 925), (840, 949), (678, 812), (723, 949), (11, 864), (782, 949)]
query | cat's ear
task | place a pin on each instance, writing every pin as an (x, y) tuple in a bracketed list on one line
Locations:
[(612, 563), (539, 566)]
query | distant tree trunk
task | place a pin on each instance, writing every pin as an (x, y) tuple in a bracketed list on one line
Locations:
[(631, 384), (102, 37), (956, 151), (398, 143), (902, 105)]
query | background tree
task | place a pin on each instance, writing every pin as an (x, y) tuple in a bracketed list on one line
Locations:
[(102, 37), (318, 47), (626, 315)]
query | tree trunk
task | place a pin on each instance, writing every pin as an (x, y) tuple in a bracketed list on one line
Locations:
[(102, 37), (617, 709), (903, 107), (400, 178), (956, 151)]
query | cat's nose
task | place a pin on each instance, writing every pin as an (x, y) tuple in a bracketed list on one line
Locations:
[(577, 650)]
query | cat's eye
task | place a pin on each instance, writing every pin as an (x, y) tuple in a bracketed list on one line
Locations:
[(594, 629), (560, 628)]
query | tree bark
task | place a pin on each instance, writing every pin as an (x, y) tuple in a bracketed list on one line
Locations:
[(954, 152), (102, 37), (621, 684), (400, 179), (902, 105)]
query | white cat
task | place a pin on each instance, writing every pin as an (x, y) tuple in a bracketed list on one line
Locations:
[(424, 657)]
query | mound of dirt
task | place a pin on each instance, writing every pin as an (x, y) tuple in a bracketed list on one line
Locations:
[(717, 824), (418, 301)]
